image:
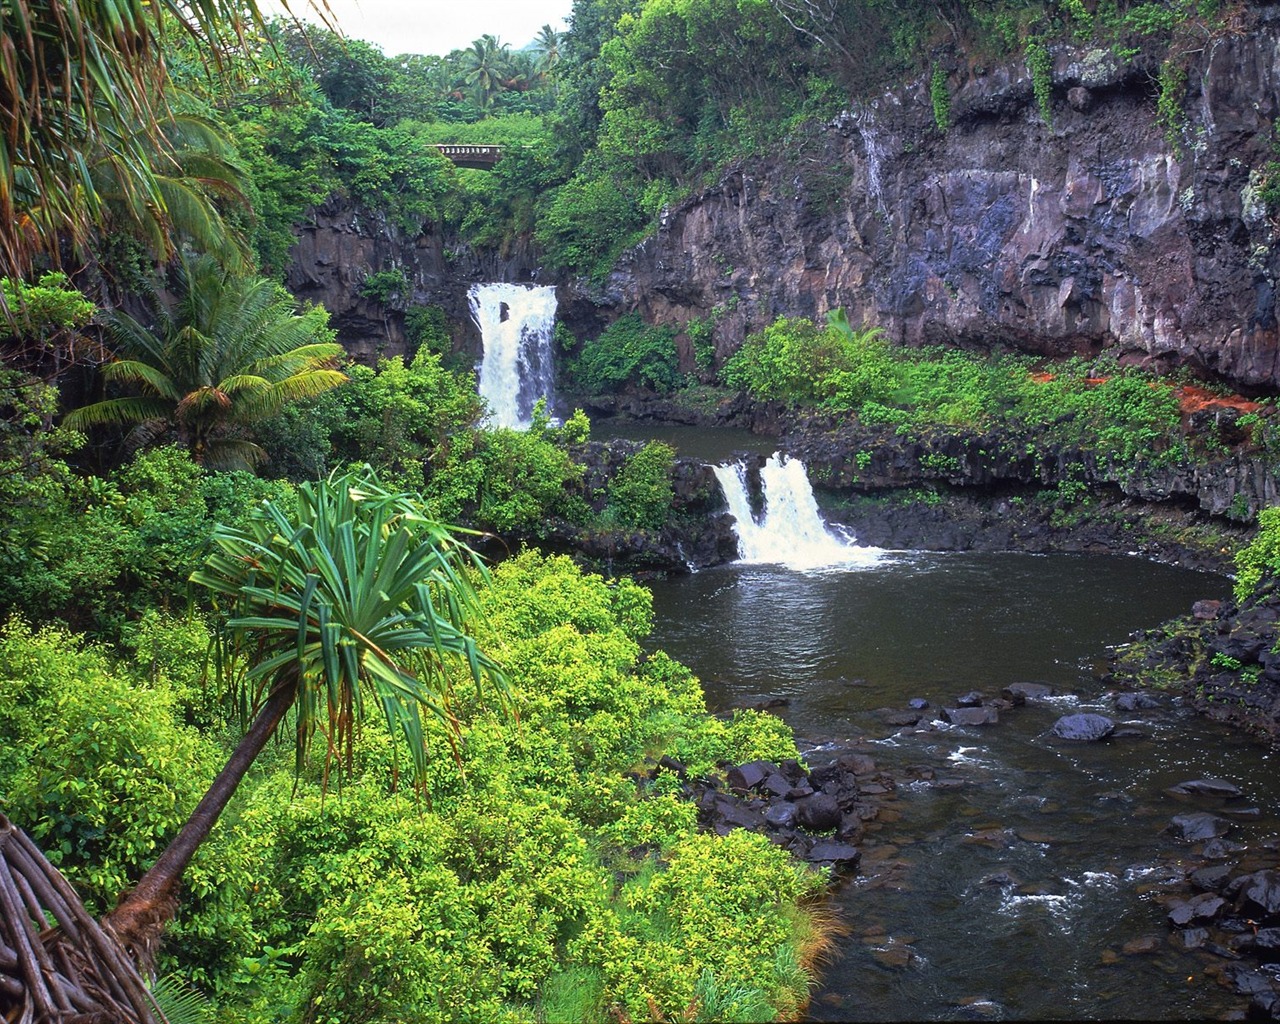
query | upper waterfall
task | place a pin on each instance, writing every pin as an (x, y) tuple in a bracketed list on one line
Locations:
[(790, 531), (516, 323)]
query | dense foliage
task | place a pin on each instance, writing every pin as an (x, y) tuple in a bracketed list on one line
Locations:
[(537, 878), (1118, 414)]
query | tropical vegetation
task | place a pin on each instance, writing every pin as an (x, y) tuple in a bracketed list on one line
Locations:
[(469, 816)]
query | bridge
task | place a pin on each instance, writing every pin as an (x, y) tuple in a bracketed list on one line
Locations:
[(480, 157)]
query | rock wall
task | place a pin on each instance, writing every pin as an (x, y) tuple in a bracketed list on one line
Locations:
[(1092, 233), (341, 244)]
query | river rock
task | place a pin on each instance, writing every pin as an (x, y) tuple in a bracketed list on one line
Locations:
[(1267, 938), (1084, 727), (748, 776), (971, 716), (1192, 828), (1206, 610), (1260, 889), (1194, 938), (1199, 908), (818, 813), (1207, 787), (1211, 879), (1220, 849), (781, 815), (972, 699), (1136, 702), (1020, 693), (918, 704), (839, 855)]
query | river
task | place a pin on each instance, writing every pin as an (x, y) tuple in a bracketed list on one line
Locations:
[(1011, 876)]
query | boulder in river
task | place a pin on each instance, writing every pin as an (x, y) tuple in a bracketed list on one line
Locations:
[(1136, 701), (818, 813), (1219, 788), (1194, 827), (1084, 727), (1020, 693), (1261, 889), (971, 716), (1199, 908)]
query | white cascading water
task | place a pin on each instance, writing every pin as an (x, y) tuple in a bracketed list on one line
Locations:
[(516, 324), (791, 531)]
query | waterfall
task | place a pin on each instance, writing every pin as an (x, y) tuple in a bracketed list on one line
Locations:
[(516, 323), (790, 531), (866, 122)]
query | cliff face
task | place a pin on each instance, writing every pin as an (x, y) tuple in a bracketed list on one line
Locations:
[(342, 244), (1091, 233)]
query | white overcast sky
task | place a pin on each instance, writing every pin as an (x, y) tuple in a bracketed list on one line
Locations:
[(439, 26)]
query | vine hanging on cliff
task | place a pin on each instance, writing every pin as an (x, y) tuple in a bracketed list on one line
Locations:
[(1040, 64), (940, 95), (1170, 114)]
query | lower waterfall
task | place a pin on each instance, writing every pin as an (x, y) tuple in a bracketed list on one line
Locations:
[(789, 531)]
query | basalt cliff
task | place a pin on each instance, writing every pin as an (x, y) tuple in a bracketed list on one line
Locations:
[(1101, 229)]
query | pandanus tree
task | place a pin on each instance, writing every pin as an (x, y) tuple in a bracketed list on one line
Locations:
[(83, 102), (231, 351), (355, 600)]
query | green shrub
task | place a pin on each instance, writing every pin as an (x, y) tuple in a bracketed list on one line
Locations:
[(628, 352), (1261, 555), (834, 367), (92, 765), (640, 493)]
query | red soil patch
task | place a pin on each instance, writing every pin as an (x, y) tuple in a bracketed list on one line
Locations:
[(1194, 399)]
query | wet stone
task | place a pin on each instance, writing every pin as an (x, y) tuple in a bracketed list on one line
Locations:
[(901, 718), (972, 699), (1267, 938), (1219, 788), (1198, 908), (1083, 727), (749, 776), (1020, 693), (1142, 944), (781, 816), (1243, 813), (1211, 879), (1192, 828), (818, 813), (1136, 702), (971, 716), (1206, 610), (840, 855), (917, 704), (1128, 732), (1262, 890), (1194, 938), (777, 784), (1218, 849)]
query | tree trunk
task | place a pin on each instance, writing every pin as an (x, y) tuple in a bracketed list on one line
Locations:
[(140, 919)]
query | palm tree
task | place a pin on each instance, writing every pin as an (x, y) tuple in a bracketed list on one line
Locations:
[(486, 65), (83, 84), (547, 47), (357, 596), (232, 351), (195, 165)]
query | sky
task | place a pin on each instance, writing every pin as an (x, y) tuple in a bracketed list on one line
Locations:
[(439, 26)]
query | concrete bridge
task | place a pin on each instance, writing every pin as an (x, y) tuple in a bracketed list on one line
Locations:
[(480, 157)]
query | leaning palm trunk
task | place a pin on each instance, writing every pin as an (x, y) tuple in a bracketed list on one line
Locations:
[(356, 592), (72, 973), (143, 915)]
